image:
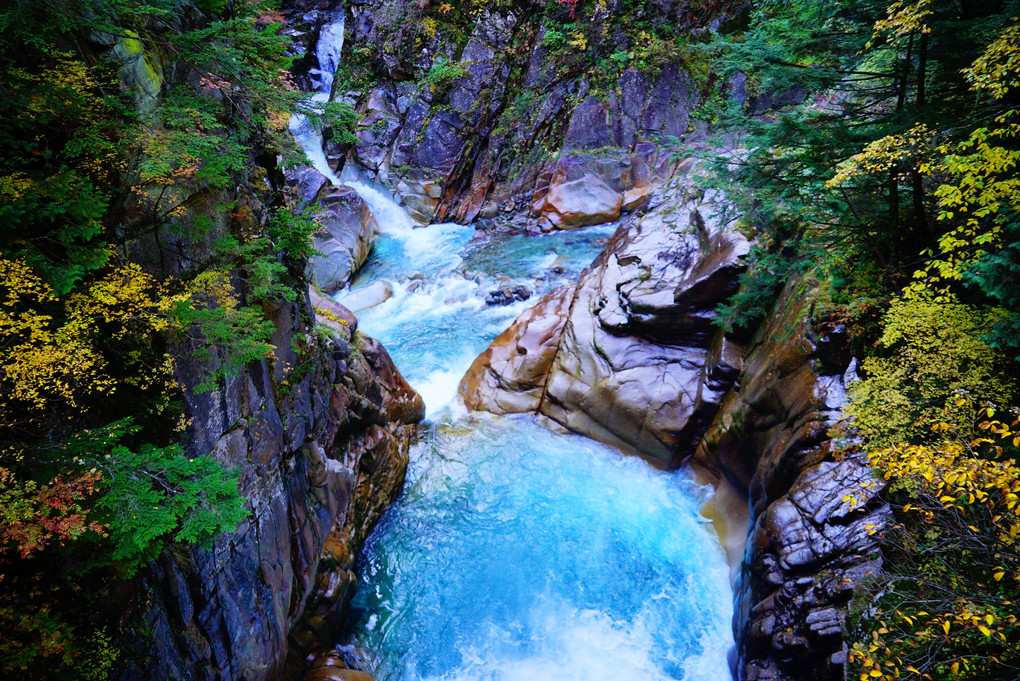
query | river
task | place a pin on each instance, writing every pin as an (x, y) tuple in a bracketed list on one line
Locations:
[(517, 551)]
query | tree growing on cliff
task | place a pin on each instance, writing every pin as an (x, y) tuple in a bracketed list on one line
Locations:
[(103, 205)]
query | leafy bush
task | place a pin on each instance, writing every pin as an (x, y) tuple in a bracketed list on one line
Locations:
[(931, 353), (442, 74)]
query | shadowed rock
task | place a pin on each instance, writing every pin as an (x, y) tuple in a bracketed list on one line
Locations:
[(814, 520), (344, 239)]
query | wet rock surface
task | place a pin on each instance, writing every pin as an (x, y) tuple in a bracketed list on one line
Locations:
[(347, 230), (506, 296), (631, 358), (814, 517), (321, 453)]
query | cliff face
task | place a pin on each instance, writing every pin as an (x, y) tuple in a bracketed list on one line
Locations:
[(320, 455), (815, 514), (517, 110), (319, 433)]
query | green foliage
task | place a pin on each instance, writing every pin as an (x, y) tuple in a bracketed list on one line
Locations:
[(760, 284), (158, 494), (930, 352), (212, 6), (227, 337), (61, 133), (97, 660), (87, 183), (150, 494), (944, 606), (293, 232), (442, 74)]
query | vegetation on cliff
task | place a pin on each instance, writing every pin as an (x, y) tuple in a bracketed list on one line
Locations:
[(131, 135), (891, 173)]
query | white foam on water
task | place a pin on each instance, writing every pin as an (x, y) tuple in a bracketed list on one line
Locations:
[(566, 645), (309, 138), (391, 217), (328, 51)]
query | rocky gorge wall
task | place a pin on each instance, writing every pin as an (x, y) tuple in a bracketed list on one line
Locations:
[(629, 356), (319, 433), (517, 135), (320, 457), (490, 111)]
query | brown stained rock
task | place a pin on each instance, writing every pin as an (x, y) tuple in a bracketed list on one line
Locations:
[(401, 404), (509, 377), (330, 666), (332, 314), (632, 360), (633, 198), (585, 201)]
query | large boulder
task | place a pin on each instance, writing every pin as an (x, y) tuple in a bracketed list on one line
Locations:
[(635, 361), (510, 376), (344, 239), (581, 189)]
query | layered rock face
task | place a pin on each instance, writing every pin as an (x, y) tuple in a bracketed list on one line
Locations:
[(492, 119), (320, 435), (815, 516), (628, 356)]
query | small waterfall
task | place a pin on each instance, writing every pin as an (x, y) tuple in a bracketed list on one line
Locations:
[(388, 213), (328, 50)]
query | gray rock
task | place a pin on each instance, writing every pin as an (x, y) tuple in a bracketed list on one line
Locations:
[(344, 240), (632, 356)]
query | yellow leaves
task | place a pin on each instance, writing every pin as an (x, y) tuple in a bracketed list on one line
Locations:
[(46, 359), (902, 19), (19, 285), (214, 286), (995, 71), (890, 153), (945, 627), (14, 186), (579, 41)]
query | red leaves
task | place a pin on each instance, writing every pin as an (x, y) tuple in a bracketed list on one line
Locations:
[(33, 516), (572, 4)]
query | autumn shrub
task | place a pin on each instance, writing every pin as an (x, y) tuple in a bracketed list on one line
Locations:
[(124, 239), (929, 353), (945, 607)]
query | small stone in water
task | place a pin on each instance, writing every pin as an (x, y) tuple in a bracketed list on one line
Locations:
[(505, 296)]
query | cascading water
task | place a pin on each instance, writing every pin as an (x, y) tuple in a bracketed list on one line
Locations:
[(515, 552), (309, 137)]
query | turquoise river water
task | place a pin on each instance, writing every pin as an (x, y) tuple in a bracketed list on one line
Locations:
[(516, 552)]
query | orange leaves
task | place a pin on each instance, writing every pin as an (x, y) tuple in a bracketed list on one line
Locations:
[(32, 516)]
